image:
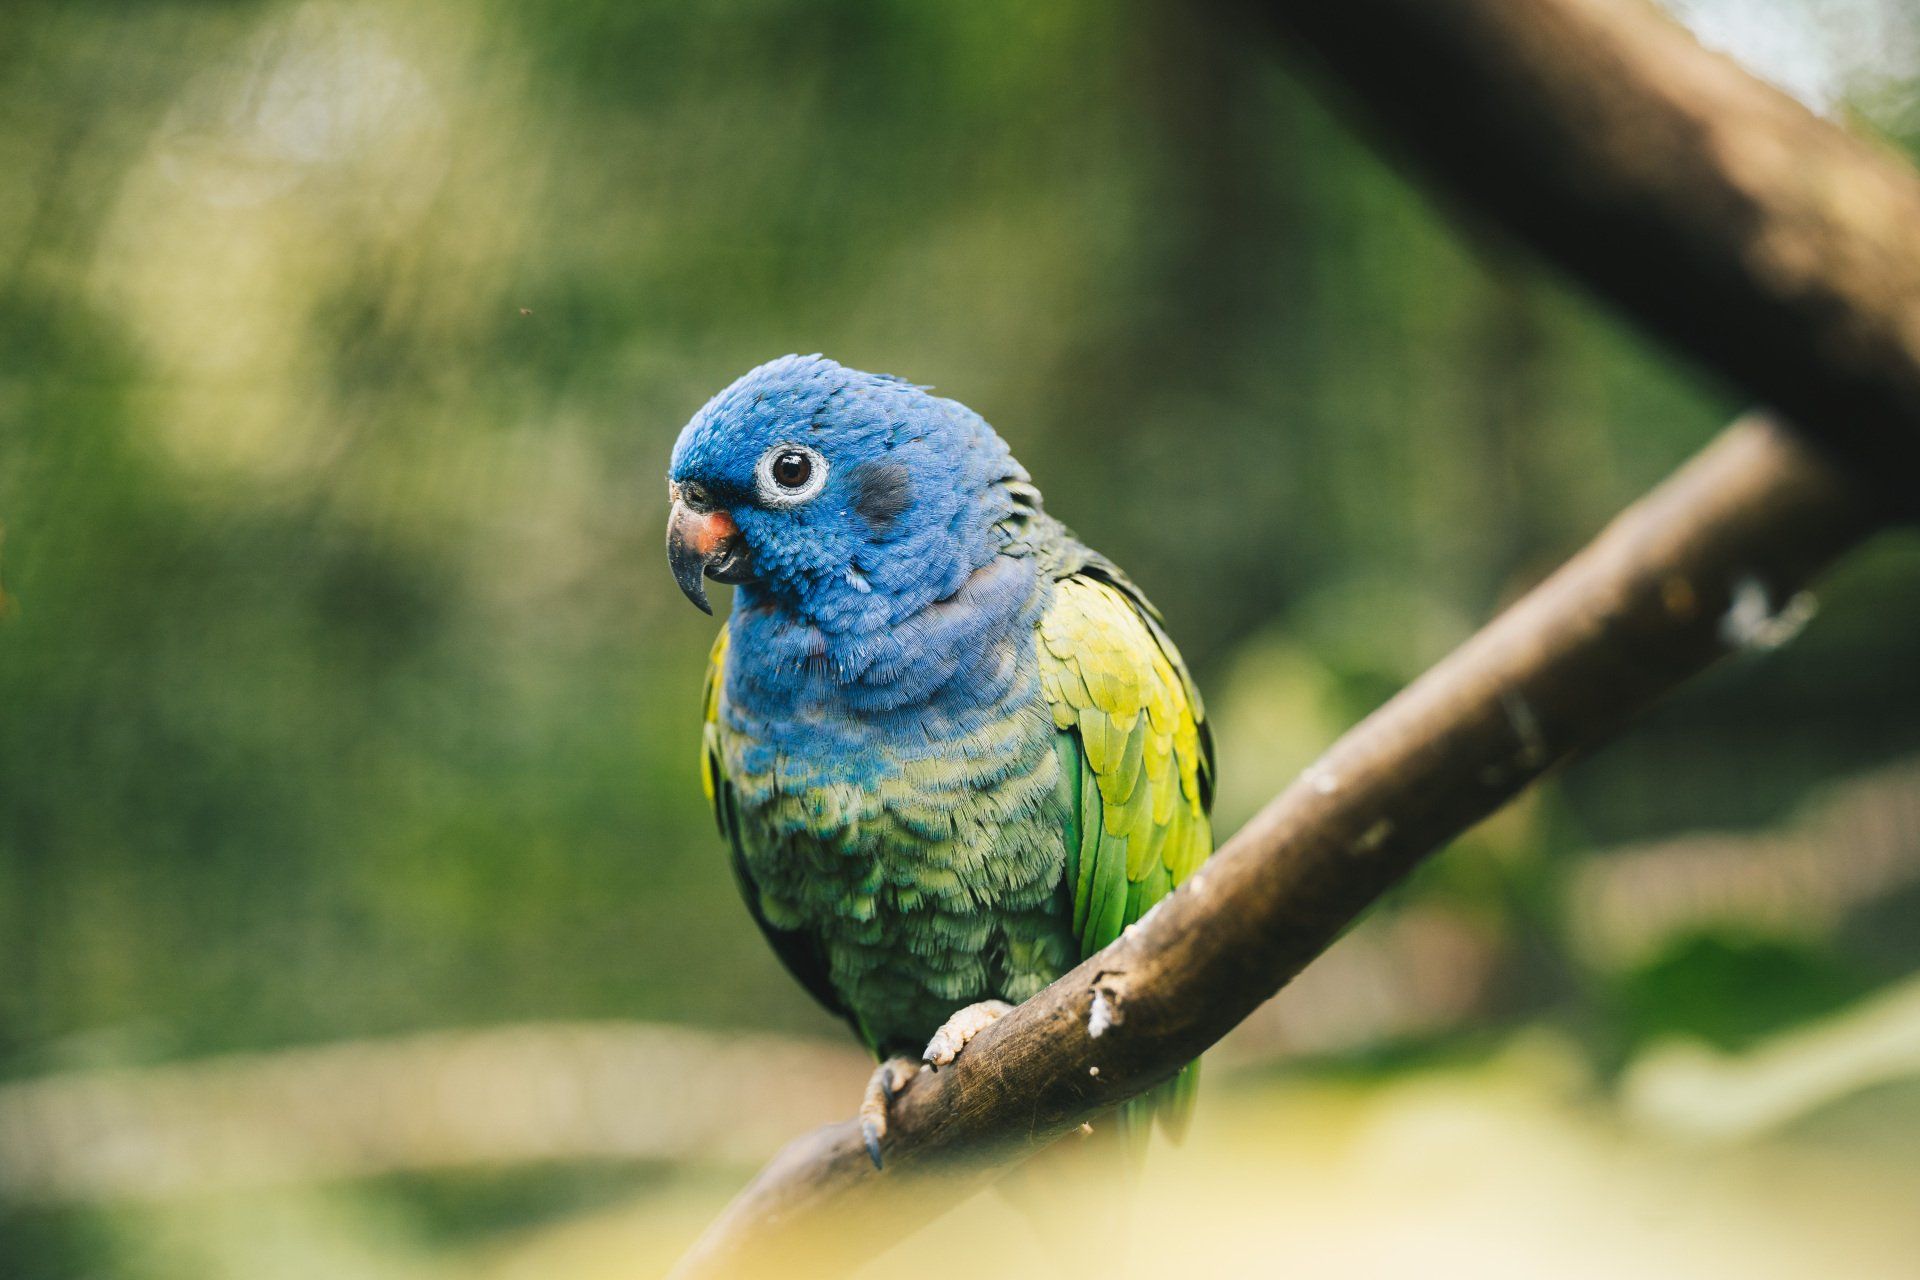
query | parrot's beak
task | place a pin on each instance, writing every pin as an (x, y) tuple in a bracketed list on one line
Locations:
[(704, 544)]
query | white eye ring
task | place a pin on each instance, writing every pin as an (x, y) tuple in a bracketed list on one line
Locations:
[(775, 494)]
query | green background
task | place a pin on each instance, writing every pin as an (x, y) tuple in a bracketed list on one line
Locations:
[(343, 688)]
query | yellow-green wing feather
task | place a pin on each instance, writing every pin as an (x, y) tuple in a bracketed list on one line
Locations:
[(711, 777), (1138, 762)]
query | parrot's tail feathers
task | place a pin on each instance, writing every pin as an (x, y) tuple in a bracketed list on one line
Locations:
[(1171, 1104), (1176, 1100), (1132, 1125)]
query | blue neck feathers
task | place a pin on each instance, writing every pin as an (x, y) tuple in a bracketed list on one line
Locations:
[(933, 676)]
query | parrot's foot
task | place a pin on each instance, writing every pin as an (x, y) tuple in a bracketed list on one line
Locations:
[(882, 1088), (962, 1027)]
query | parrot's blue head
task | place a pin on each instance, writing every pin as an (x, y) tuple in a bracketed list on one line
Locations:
[(850, 500)]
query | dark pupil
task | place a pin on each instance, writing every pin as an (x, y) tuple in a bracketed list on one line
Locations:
[(791, 469)]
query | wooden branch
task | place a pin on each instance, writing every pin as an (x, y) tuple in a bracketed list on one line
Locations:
[(1693, 570), (1766, 243)]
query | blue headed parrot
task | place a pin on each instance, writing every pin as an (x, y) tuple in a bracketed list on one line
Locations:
[(951, 749)]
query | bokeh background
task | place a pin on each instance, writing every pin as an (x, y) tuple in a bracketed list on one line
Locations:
[(359, 911)]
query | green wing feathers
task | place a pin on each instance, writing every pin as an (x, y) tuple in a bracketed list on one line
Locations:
[(711, 779), (1137, 761)]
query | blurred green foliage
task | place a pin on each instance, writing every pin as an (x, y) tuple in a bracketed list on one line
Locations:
[(342, 687)]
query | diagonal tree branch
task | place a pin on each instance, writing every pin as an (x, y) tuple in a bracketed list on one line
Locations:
[(1693, 570), (1751, 235), (1725, 217)]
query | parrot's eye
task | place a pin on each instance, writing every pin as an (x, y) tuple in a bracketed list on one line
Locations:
[(790, 474), (791, 469)]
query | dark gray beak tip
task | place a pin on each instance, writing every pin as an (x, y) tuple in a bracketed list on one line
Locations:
[(689, 569)]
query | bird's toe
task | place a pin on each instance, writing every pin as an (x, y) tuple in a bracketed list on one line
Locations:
[(962, 1027), (888, 1079)]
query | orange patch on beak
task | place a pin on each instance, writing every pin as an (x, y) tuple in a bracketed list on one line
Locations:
[(705, 532), (703, 544)]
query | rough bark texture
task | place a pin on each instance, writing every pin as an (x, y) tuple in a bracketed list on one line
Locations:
[(1721, 214), (1702, 565)]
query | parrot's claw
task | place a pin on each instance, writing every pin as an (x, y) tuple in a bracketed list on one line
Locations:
[(882, 1088), (962, 1027)]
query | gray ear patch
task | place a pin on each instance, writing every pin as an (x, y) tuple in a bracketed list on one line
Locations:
[(881, 492)]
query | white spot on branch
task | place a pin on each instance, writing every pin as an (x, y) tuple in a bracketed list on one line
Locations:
[(1106, 1012), (1128, 931), (1752, 622), (1100, 1016)]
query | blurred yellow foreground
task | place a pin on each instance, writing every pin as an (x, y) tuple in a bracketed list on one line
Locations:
[(1791, 1161)]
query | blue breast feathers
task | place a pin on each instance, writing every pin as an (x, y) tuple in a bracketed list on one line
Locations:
[(857, 705)]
